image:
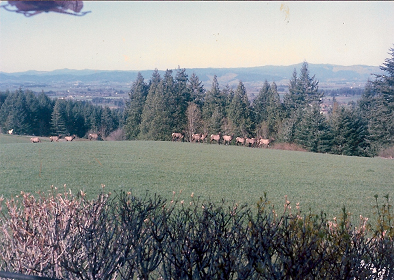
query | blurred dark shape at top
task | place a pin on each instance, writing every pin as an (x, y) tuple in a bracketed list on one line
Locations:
[(31, 8)]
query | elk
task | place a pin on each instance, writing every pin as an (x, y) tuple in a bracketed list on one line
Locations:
[(264, 142), (93, 136), (54, 138), (196, 137), (35, 140), (69, 138), (227, 139), (10, 131), (251, 142), (240, 140), (177, 136), (215, 137)]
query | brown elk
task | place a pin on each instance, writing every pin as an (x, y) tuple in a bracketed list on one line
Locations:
[(35, 140), (240, 140), (203, 137), (215, 137), (177, 136), (93, 136), (196, 137), (227, 139), (54, 138), (251, 142), (264, 142), (69, 138)]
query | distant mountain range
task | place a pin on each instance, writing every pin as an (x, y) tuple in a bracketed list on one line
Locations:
[(252, 76)]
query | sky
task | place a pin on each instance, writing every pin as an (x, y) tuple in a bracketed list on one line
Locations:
[(144, 35)]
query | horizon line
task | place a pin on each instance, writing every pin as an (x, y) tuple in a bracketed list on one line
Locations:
[(241, 67)]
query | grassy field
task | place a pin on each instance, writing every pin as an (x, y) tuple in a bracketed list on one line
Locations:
[(317, 181)]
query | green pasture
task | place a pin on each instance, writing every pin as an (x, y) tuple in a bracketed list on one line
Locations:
[(317, 181)]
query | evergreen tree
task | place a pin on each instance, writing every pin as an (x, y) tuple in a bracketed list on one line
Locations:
[(80, 127), (138, 93), (107, 122), (45, 105), (377, 106), (196, 89), (14, 113), (182, 98), (239, 113), (350, 133), (214, 108), (155, 123), (312, 131), (58, 122), (32, 111), (303, 90), (268, 111)]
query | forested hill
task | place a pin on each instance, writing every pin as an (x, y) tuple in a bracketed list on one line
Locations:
[(325, 73)]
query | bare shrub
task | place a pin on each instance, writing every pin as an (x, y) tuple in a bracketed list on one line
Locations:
[(116, 135), (33, 232), (127, 237), (387, 153), (288, 147)]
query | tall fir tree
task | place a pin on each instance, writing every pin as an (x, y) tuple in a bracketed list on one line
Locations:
[(312, 131), (239, 113), (179, 98), (58, 122), (155, 122), (14, 113), (107, 122), (45, 105), (303, 90), (377, 106), (213, 110), (135, 106), (350, 133), (196, 89), (268, 111)]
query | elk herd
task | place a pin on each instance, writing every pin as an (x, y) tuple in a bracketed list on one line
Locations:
[(91, 136), (225, 139)]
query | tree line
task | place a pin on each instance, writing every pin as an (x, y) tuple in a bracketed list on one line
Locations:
[(28, 113), (179, 103)]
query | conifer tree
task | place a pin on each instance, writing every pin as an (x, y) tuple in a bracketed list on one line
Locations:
[(155, 121), (239, 113), (196, 89), (312, 130), (181, 98), (107, 122), (268, 111), (58, 122), (14, 113), (350, 133), (45, 105), (138, 93), (377, 105), (303, 90), (214, 107)]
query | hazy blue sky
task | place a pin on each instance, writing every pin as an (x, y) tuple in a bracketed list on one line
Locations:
[(147, 35)]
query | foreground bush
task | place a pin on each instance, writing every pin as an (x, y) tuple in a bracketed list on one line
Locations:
[(123, 237)]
